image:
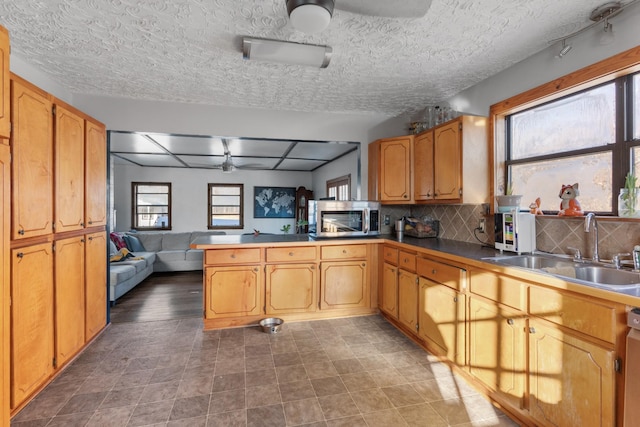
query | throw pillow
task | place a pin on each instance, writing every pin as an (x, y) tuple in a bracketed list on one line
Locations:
[(133, 243), (118, 240), (112, 247)]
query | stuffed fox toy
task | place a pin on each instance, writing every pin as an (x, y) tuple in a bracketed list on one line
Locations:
[(569, 206)]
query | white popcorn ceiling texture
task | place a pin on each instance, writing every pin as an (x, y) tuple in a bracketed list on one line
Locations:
[(190, 50)]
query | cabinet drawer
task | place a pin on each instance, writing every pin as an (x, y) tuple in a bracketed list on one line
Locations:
[(407, 261), (502, 289), (344, 252), (448, 275), (590, 317), (291, 253), (232, 256), (391, 255)]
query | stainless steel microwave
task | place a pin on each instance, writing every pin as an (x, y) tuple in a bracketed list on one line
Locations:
[(338, 218)]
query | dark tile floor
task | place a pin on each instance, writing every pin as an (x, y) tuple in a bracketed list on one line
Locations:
[(342, 372)]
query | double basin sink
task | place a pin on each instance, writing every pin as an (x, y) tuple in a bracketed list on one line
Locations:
[(587, 273)]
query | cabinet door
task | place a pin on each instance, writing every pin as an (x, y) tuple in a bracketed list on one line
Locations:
[(423, 167), (69, 297), (32, 321), (408, 299), (5, 102), (233, 291), (69, 176), (32, 157), (95, 284), (291, 288), (5, 293), (395, 169), (497, 348), (389, 294), (447, 163), (95, 197), (344, 285), (442, 320), (572, 381)]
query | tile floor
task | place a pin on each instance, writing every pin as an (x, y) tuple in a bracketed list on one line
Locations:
[(341, 372)]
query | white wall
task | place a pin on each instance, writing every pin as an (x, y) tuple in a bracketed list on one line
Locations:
[(344, 166), (189, 194), (544, 67)]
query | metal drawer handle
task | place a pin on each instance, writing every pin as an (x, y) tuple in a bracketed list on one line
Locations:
[(510, 321)]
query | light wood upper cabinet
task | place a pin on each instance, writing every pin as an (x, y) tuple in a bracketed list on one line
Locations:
[(291, 288), (5, 100), (392, 178), (572, 380), (423, 167), (95, 283), (447, 162), (5, 281), (32, 320), (69, 172), (69, 297), (32, 161), (95, 196)]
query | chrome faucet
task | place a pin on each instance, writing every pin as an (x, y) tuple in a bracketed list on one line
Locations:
[(587, 224)]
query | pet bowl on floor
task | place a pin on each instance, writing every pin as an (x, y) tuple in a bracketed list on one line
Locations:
[(271, 325)]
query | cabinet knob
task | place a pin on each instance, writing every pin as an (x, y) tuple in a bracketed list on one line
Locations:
[(81, 223), (405, 196), (21, 232), (532, 330), (90, 222), (433, 271), (20, 254), (455, 299), (510, 322), (233, 256), (364, 265), (344, 251), (290, 253), (90, 238)]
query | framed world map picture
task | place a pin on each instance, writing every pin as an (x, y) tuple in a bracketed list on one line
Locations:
[(274, 202)]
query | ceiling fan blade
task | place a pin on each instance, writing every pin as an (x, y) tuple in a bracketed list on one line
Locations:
[(386, 8)]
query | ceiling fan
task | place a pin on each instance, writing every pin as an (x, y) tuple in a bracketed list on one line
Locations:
[(227, 164), (312, 16)]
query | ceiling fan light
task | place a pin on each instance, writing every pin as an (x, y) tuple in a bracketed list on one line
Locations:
[(227, 167), (310, 16), (286, 52)]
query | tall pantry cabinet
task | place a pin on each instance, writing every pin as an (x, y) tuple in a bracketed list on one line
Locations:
[(58, 236), (5, 224)]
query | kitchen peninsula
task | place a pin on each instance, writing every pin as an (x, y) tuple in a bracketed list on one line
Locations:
[(524, 338)]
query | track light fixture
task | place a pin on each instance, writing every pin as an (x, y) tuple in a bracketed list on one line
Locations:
[(601, 14)]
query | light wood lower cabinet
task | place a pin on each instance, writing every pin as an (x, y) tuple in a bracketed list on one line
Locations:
[(5, 279), (95, 284), (69, 297), (497, 355), (572, 381), (32, 320), (408, 296), (291, 288), (389, 292), (343, 285), (442, 316), (233, 291)]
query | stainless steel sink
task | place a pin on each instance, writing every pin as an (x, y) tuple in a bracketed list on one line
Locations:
[(586, 273)]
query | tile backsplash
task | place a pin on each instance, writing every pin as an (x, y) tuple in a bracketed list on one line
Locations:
[(553, 234)]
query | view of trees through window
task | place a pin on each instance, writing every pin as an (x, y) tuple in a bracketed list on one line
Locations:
[(580, 139), (151, 205)]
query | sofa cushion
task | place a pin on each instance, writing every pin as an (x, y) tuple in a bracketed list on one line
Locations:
[(133, 243), (152, 242), (120, 273), (112, 248), (170, 256), (194, 255), (138, 264), (176, 241)]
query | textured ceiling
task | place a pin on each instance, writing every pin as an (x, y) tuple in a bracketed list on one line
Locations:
[(190, 50)]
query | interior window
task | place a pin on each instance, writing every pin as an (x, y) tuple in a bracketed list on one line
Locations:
[(339, 188), (226, 206), (151, 205)]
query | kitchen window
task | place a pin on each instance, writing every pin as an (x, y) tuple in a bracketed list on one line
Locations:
[(339, 188), (151, 205), (226, 210), (587, 133)]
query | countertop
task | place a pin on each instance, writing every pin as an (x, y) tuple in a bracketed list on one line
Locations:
[(462, 252)]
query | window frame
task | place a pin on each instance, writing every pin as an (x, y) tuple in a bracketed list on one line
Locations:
[(339, 181), (619, 68), (210, 206), (134, 205)]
